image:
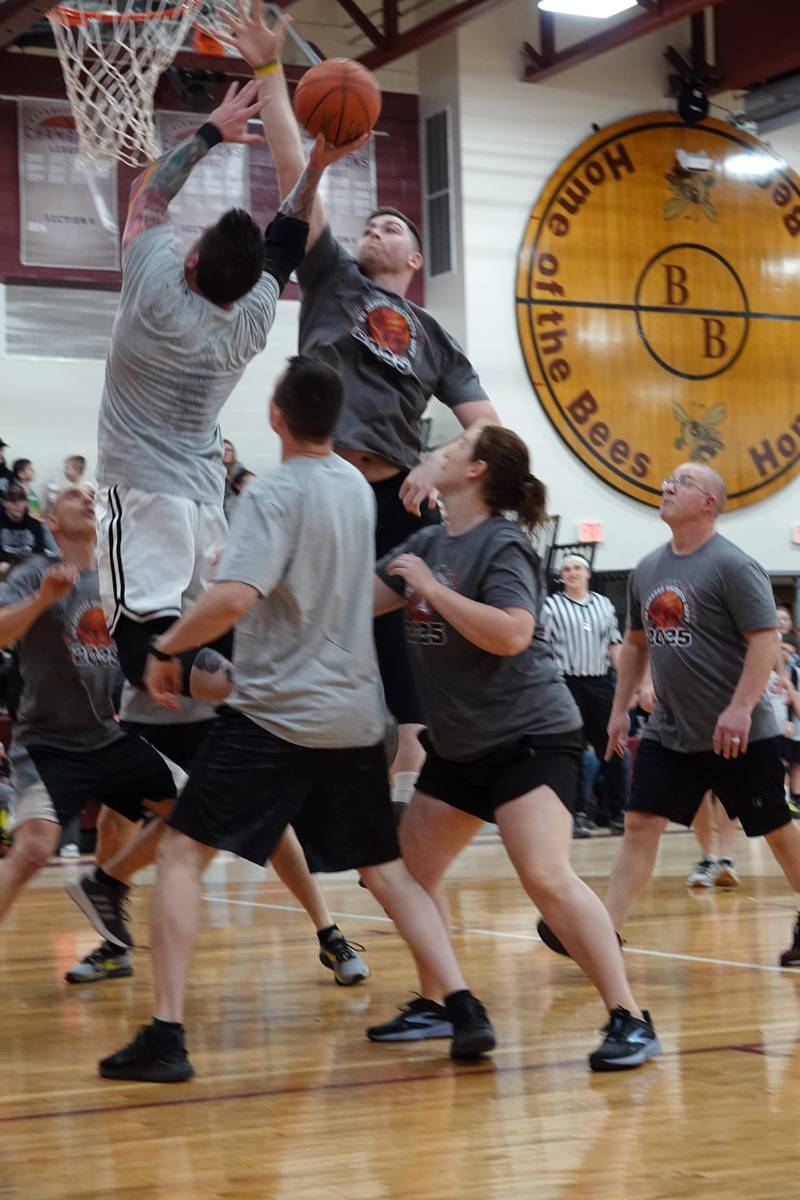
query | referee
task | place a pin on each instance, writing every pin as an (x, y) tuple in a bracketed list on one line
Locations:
[(582, 628)]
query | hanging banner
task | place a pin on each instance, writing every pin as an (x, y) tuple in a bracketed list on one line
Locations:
[(348, 189), (218, 182), (68, 213)]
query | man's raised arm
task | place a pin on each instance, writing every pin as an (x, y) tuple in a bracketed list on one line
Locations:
[(261, 48), (153, 190)]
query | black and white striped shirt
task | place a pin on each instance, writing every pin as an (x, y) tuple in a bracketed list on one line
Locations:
[(580, 632)]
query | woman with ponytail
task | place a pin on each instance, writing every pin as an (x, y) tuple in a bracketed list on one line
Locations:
[(504, 739)]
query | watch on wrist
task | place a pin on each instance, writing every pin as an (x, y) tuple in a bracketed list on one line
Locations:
[(159, 655)]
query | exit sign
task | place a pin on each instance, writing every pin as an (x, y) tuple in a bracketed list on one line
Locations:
[(592, 531)]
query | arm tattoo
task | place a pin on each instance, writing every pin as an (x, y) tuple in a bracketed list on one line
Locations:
[(300, 200), (160, 183)]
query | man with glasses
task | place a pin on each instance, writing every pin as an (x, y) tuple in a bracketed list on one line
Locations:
[(702, 612)]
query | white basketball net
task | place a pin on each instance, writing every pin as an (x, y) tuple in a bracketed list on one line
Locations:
[(112, 60)]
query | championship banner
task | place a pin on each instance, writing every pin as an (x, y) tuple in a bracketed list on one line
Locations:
[(348, 189), (658, 306), (68, 213), (218, 182)]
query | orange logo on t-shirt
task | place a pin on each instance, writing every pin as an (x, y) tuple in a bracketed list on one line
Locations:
[(389, 328), (91, 629), (665, 611)]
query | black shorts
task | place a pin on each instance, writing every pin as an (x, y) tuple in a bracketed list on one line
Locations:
[(121, 775), (480, 786), (671, 784), (790, 751), (247, 785), (179, 743), (395, 524)]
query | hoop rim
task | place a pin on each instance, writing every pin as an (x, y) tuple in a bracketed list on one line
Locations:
[(66, 15)]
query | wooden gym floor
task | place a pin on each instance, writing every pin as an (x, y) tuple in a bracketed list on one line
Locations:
[(291, 1102)]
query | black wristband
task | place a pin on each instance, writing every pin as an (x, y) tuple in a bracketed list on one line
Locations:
[(159, 655), (210, 134), (284, 246)]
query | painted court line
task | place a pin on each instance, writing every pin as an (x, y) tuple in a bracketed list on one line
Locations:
[(523, 937)]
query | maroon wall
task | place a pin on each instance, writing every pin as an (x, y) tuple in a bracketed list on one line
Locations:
[(397, 161)]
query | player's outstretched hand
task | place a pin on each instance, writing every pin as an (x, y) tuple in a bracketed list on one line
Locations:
[(618, 729), (232, 115), (164, 681), (249, 34), (58, 582), (323, 154)]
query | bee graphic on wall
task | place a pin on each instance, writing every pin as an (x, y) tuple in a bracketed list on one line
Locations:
[(689, 188), (700, 436)]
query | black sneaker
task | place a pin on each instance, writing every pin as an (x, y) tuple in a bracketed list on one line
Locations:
[(472, 1030), (342, 957), (106, 962), (628, 1042), (553, 943), (416, 1020), (791, 957), (155, 1055), (106, 907)]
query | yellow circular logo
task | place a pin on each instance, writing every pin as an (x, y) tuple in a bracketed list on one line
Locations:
[(658, 306)]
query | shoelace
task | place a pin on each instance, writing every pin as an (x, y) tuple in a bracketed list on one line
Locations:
[(342, 950)]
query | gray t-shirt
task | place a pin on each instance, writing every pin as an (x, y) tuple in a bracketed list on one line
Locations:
[(391, 354), (476, 702), (303, 656), (696, 609), (68, 665), (175, 358)]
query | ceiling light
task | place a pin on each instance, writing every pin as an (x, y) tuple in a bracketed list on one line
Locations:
[(587, 8)]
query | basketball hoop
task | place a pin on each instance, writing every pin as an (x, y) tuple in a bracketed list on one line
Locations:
[(112, 60)]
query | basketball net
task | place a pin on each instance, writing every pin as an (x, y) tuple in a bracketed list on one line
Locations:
[(112, 60)]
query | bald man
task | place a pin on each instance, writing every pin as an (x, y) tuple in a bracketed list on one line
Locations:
[(702, 613)]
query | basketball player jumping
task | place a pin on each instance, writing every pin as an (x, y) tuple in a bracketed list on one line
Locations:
[(183, 335), (392, 355)]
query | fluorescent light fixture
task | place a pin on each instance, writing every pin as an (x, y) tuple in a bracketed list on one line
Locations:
[(587, 8)]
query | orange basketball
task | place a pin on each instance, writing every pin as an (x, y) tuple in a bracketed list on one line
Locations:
[(339, 99)]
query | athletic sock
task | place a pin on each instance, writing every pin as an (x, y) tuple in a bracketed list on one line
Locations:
[(459, 1004), (326, 934), (109, 881), (167, 1026), (403, 786)]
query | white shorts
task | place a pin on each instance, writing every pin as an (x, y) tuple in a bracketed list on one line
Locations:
[(155, 554)]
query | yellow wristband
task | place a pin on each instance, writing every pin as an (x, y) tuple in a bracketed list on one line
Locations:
[(267, 68)]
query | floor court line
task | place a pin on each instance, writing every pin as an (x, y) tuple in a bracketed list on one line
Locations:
[(446, 1069), (523, 937)]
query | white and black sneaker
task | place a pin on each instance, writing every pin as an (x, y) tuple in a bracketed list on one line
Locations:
[(416, 1020), (627, 1042), (105, 904), (704, 874)]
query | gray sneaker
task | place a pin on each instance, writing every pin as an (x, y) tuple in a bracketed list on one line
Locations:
[(342, 957), (106, 962), (416, 1020)]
